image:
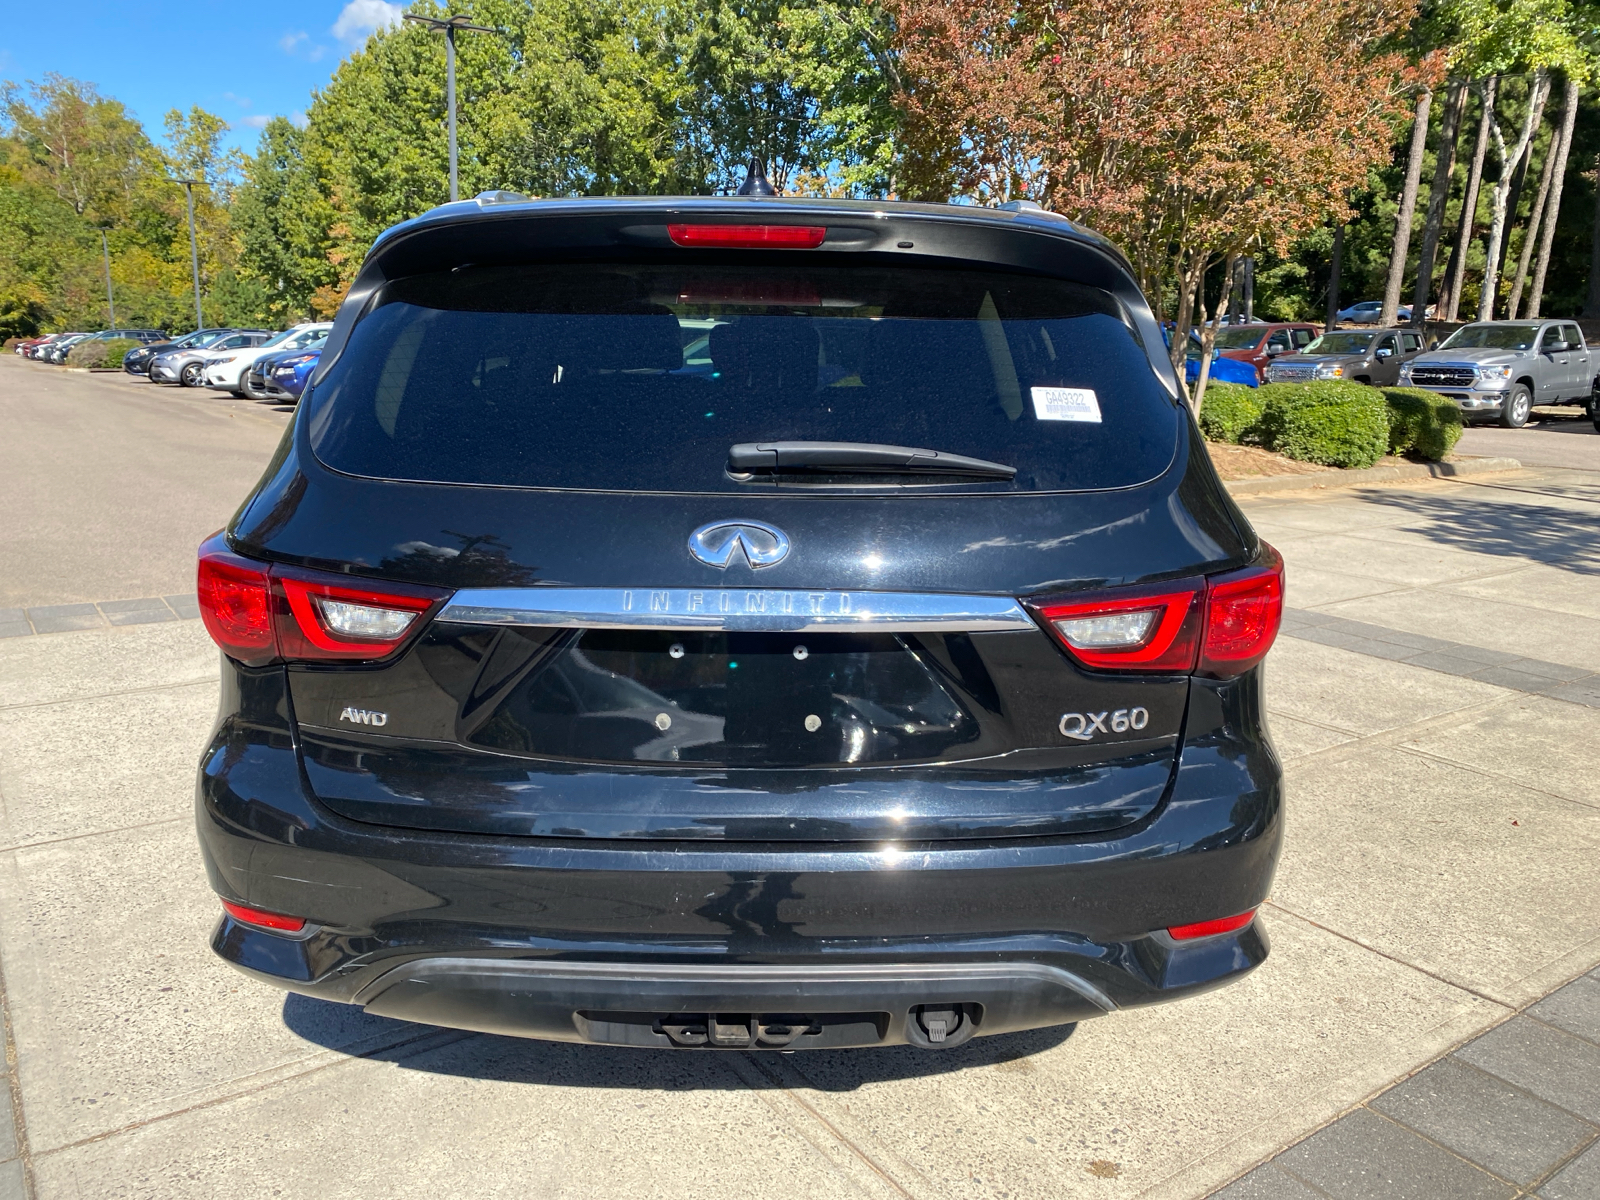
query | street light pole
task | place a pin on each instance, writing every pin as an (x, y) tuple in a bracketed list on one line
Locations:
[(105, 249), (194, 248), (449, 26)]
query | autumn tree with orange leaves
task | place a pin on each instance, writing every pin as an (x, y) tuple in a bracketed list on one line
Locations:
[(1190, 132)]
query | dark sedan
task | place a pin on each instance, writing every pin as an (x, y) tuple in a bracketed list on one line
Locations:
[(137, 361)]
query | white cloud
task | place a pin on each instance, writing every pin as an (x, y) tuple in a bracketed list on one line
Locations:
[(289, 41), (298, 119), (258, 121), (360, 17), (241, 101)]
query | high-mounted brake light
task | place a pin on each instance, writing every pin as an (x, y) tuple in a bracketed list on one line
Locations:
[(259, 612), (266, 920), (1200, 929), (748, 237)]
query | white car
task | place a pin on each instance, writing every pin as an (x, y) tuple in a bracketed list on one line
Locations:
[(225, 369)]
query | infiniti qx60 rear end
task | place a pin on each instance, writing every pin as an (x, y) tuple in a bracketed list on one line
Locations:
[(741, 623)]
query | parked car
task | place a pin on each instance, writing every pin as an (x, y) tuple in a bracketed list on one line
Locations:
[(227, 369), (1259, 344), (1223, 370), (1501, 369), (186, 366), (56, 352), (291, 371), (32, 347), (896, 682), (1370, 312), (137, 362), (1363, 356), (59, 353)]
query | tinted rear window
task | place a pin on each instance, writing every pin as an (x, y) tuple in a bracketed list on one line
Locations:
[(642, 376)]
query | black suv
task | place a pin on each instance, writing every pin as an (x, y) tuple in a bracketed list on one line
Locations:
[(744, 623)]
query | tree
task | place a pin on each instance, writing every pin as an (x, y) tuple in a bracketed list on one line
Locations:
[(1569, 118), (1538, 89), (1455, 106), (1094, 110), (1455, 273), (1408, 208)]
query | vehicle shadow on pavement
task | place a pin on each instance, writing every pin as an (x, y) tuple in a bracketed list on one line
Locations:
[(483, 1056), (1505, 520)]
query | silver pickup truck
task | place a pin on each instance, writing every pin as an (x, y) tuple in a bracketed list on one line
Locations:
[(1501, 369)]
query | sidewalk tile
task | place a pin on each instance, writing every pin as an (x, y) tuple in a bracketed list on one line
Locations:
[(1584, 691), (11, 616), (1485, 1120), (1449, 662), (143, 604), (1266, 1182), (67, 622), (1363, 1157), (11, 629), (143, 616), (52, 611), (1575, 1008), (1554, 1066), (13, 1185), (1578, 1180), (1513, 676)]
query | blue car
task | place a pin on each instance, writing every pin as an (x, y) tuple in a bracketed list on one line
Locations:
[(1223, 370), (290, 372)]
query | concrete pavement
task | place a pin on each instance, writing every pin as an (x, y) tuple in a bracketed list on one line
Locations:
[(1438, 882)]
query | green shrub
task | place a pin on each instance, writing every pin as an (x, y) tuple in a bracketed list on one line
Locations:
[(87, 354), (1422, 424), (1331, 422), (100, 354), (1229, 411)]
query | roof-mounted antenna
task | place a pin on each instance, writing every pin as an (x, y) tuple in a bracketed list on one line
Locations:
[(755, 181)]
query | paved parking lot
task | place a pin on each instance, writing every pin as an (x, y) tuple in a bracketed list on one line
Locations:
[(1411, 1035)]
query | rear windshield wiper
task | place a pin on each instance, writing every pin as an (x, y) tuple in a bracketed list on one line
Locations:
[(858, 458)]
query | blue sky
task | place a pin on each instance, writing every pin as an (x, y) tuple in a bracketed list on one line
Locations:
[(244, 62)]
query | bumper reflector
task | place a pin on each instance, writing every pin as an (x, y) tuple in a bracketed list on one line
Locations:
[(1200, 929), (266, 920)]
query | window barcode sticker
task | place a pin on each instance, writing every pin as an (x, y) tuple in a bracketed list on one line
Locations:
[(1065, 404)]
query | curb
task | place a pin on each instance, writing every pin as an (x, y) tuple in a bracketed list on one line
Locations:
[(1334, 478)]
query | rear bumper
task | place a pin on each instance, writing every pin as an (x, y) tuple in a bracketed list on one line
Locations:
[(596, 940)]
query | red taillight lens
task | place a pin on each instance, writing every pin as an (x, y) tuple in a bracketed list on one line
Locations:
[(259, 613), (1200, 929), (748, 237), (266, 920), (236, 602), (1152, 632), (1243, 612)]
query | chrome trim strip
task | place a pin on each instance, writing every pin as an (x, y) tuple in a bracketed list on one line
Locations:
[(759, 610), (733, 976)]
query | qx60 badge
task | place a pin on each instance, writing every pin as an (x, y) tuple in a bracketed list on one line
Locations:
[(719, 543), (1081, 727)]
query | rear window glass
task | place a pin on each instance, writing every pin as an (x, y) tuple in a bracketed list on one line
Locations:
[(640, 377)]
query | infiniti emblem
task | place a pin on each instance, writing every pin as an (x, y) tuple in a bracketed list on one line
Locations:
[(762, 545)]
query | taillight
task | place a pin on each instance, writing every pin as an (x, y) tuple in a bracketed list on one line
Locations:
[(1243, 612), (259, 612), (748, 237), (236, 603), (1220, 626), (1152, 632), (1200, 929), (333, 620), (263, 918)]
